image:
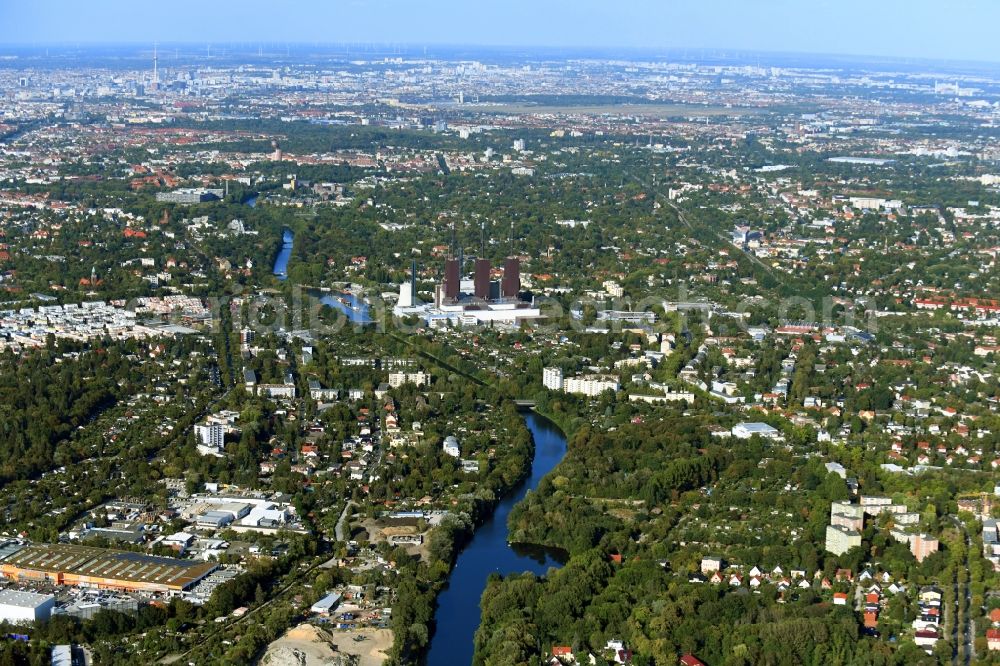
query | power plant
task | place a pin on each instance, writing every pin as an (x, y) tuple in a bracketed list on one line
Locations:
[(469, 300)]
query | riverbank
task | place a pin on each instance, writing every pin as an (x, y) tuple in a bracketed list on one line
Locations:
[(562, 423), (349, 304), (456, 617), (509, 466)]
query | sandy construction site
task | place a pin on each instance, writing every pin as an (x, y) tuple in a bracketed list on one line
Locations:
[(309, 645)]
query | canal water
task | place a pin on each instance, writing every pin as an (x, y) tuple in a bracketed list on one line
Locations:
[(457, 615), (351, 305), (284, 254)]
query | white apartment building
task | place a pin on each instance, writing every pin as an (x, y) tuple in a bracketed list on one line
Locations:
[(210, 434), (613, 289), (840, 539), (277, 390), (552, 378), (591, 384), (397, 379)]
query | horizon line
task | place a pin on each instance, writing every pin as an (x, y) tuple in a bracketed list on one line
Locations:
[(648, 49)]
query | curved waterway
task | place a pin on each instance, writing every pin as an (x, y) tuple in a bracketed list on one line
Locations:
[(284, 254), (351, 305), (457, 615)]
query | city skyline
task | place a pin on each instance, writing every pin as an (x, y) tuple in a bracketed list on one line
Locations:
[(890, 29)]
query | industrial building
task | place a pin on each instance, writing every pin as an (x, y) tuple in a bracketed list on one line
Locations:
[(748, 430), (99, 568), (470, 302), (21, 607), (408, 290), (242, 514), (326, 605), (214, 519), (190, 195), (62, 655)]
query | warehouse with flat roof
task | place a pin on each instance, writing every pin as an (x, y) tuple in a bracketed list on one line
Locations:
[(100, 568), (326, 605), (20, 607)]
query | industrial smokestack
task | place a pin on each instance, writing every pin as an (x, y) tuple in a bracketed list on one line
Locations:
[(413, 281), (451, 279), (482, 279), (510, 283)]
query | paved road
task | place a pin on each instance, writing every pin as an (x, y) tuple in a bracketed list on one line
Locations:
[(963, 634), (339, 529), (970, 628), (292, 578), (725, 241)]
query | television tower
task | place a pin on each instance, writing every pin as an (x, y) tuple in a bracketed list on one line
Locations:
[(156, 74)]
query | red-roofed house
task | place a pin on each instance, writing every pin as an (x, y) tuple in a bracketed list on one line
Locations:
[(691, 660)]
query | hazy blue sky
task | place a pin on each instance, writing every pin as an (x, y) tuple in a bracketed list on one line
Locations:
[(946, 29)]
